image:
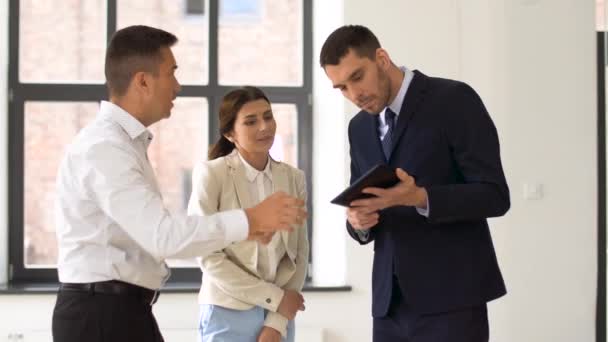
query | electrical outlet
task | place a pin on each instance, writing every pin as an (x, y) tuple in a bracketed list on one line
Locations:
[(533, 191)]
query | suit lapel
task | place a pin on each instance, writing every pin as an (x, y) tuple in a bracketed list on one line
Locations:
[(369, 132), (239, 178), (413, 98)]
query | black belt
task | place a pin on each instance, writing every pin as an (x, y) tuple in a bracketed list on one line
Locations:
[(114, 287)]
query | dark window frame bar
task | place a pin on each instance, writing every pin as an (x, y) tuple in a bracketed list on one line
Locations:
[(602, 63)]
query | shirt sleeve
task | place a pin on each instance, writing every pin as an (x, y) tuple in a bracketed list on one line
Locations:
[(363, 234), (278, 322), (115, 180), (424, 211)]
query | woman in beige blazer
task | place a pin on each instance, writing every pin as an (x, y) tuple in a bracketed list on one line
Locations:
[(250, 290)]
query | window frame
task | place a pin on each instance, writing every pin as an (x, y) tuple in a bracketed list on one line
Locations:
[(602, 64), (19, 93)]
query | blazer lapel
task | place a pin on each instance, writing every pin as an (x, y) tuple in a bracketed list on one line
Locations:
[(413, 98), (239, 178), (280, 182)]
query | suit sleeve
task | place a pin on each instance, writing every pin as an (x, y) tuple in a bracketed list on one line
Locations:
[(474, 146), (230, 278), (296, 282), (355, 173)]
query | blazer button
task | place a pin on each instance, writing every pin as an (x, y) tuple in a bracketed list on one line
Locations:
[(268, 300)]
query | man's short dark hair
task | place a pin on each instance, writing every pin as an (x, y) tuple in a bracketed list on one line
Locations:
[(131, 50), (356, 37)]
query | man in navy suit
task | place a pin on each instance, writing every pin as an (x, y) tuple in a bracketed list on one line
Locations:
[(434, 262)]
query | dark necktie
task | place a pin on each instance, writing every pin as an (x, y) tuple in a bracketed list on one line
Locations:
[(387, 142)]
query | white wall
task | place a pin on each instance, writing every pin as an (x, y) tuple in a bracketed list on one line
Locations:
[(533, 62), (548, 247)]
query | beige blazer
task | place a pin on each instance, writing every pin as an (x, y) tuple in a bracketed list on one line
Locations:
[(230, 276)]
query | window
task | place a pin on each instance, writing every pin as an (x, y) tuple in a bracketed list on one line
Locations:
[(56, 81)]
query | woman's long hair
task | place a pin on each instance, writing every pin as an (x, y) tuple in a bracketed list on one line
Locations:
[(230, 107)]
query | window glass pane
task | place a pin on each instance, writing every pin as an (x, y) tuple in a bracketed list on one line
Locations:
[(600, 15), (179, 142), (62, 41), (191, 50), (260, 42), (49, 127), (231, 8), (285, 147)]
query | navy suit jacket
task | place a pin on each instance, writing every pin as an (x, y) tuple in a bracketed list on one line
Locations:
[(446, 140)]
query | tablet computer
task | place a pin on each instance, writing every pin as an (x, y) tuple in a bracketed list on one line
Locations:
[(380, 176)]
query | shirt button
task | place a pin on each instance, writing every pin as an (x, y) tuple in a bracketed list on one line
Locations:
[(268, 300)]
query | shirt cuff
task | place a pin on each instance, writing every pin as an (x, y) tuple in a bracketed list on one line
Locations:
[(424, 212), (277, 322), (363, 234), (236, 225)]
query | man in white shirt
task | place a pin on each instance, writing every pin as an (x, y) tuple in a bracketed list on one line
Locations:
[(113, 230)]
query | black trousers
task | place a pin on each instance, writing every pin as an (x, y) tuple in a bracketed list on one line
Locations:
[(403, 325), (96, 317)]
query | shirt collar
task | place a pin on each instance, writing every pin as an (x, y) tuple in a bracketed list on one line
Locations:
[(130, 124), (251, 172), (397, 103)]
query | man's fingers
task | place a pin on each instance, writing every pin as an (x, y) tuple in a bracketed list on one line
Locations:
[(295, 208), (374, 191), (289, 201), (302, 215), (367, 211), (363, 214), (294, 202), (358, 204), (405, 178), (280, 226), (364, 224), (369, 225), (367, 206), (367, 222), (364, 227), (293, 216), (402, 175)]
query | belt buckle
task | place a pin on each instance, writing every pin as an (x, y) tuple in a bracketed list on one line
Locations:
[(154, 297)]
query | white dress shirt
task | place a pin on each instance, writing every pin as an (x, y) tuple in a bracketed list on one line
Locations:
[(395, 106), (397, 103), (260, 186), (111, 223)]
